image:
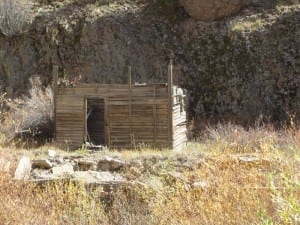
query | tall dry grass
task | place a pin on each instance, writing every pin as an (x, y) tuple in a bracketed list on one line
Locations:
[(237, 185), (257, 138), (55, 204)]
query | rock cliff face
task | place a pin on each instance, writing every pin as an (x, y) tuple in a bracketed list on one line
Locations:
[(241, 67)]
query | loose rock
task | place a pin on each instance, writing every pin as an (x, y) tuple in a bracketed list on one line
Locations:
[(59, 160), (200, 184), (41, 164), (66, 169), (40, 174), (98, 177), (110, 164), (84, 165), (248, 159), (51, 153), (23, 169)]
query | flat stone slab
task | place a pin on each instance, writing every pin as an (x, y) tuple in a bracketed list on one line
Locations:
[(23, 169), (94, 177), (66, 169)]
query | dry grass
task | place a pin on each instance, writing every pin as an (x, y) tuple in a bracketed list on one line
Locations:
[(235, 193), (249, 176), (29, 115), (260, 138), (260, 21), (57, 203)]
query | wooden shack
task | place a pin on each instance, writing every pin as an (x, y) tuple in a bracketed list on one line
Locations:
[(121, 115)]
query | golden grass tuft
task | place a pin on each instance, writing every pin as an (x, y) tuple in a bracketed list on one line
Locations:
[(54, 203)]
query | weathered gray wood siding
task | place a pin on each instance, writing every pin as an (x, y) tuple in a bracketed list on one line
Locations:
[(134, 116)]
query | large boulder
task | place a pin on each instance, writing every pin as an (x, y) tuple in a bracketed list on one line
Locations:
[(209, 10)]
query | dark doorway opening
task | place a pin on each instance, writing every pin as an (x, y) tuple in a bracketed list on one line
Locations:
[(95, 121)]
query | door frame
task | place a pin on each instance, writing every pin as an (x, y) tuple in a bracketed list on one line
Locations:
[(106, 124)]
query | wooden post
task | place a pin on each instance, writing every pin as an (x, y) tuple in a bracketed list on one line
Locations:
[(85, 134), (154, 117), (107, 124), (129, 77), (170, 105), (129, 106), (54, 87), (54, 77)]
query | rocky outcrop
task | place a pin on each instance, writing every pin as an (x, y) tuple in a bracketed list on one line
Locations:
[(77, 168), (242, 67), (246, 67), (212, 9)]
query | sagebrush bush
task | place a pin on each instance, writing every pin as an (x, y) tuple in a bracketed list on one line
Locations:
[(30, 114), (15, 16)]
